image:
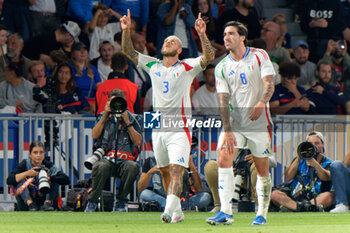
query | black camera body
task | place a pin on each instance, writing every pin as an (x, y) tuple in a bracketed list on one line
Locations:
[(307, 151), (47, 96)]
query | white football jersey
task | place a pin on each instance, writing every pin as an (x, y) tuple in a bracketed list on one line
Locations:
[(171, 86), (242, 80)]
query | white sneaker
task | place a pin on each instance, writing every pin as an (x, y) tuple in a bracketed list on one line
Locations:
[(215, 209), (340, 208), (177, 219)]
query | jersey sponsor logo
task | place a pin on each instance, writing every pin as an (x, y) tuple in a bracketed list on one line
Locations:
[(157, 73), (152, 120), (232, 72), (181, 160), (266, 152)]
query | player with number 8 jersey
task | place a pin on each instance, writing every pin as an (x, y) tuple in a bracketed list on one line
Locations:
[(171, 85)]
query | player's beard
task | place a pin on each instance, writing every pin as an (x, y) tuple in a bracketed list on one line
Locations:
[(171, 53)]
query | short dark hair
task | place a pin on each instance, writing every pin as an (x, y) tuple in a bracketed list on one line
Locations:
[(210, 66), (119, 61), (241, 29), (116, 93), (35, 144), (289, 69)]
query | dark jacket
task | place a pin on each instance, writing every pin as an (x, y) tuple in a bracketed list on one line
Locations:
[(55, 175)]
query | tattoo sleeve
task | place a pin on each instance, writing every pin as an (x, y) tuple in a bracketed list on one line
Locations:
[(208, 51), (224, 110), (269, 88), (128, 48)]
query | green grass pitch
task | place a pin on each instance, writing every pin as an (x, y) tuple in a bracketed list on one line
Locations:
[(150, 222)]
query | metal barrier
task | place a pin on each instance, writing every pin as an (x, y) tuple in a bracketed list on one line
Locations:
[(70, 143)]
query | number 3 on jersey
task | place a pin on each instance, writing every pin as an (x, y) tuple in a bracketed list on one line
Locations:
[(166, 85), (243, 78)]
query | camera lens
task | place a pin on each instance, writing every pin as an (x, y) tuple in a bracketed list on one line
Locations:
[(118, 105)]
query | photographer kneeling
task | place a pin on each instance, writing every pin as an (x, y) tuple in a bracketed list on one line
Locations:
[(36, 181), (118, 134), (310, 179)]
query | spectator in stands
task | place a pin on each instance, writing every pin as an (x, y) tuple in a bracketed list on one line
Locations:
[(139, 10), (85, 75), (320, 20), (46, 15), (70, 98), (337, 55), (211, 175), (3, 50), (117, 79), (340, 173), (25, 181), (285, 39), (198, 195), (16, 93), (270, 33), (140, 77), (100, 29), (325, 97), (203, 6), (119, 157), (62, 38), (36, 73), (104, 61), (295, 195), (307, 68), (81, 10), (289, 98), (176, 18), (243, 12), (205, 99), (14, 52), (16, 18)]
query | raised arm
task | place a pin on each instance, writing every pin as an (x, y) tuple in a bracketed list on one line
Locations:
[(127, 47), (208, 51)]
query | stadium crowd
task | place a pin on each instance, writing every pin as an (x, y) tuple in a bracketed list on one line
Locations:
[(71, 51)]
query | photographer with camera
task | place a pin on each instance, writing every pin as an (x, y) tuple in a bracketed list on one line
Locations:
[(198, 193), (36, 181), (118, 133), (244, 169), (309, 176)]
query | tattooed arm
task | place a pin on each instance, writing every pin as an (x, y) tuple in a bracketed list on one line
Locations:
[(208, 51), (269, 88), (224, 110), (229, 140), (127, 47)]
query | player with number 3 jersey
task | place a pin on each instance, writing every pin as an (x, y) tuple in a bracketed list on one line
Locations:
[(171, 84)]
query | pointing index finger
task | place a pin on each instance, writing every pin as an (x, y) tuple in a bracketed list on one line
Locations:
[(199, 15)]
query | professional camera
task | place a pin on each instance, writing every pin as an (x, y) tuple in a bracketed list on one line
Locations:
[(49, 100), (118, 105), (242, 172), (44, 185), (307, 150), (97, 155)]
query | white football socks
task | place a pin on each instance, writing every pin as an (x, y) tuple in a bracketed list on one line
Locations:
[(226, 186), (263, 191)]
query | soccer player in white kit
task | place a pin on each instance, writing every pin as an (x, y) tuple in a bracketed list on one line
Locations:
[(244, 82), (171, 84)]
